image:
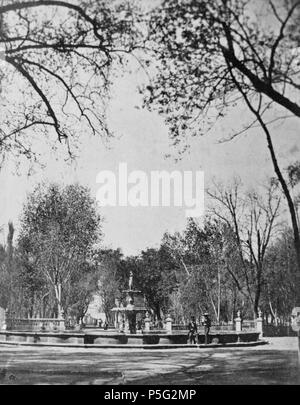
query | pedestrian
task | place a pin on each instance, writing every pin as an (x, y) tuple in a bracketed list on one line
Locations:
[(105, 326), (192, 330), (207, 325)]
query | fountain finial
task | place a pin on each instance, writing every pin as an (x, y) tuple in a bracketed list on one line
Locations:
[(130, 280)]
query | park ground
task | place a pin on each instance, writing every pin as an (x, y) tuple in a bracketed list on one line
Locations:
[(274, 363)]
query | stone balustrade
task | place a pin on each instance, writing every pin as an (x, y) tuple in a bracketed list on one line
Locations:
[(238, 325), (35, 324)]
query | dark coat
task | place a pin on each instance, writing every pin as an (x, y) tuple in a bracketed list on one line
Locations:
[(207, 322), (193, 327)]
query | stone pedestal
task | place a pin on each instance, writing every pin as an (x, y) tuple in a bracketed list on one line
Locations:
[(2, 318), (168, 323), (126, 326), (147, 323), (116, 320), (238, 322), (6, 321), (61, 325)]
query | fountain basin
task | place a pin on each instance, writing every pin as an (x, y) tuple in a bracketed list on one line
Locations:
[(115, 339), (41, 337)]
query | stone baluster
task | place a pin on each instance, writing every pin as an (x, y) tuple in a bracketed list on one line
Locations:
[(61, 321), (5, 324), (168, 323)]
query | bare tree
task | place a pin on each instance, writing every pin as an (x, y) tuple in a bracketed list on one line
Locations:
[(253, 219)]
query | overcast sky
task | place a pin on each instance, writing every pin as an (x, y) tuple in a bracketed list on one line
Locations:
[(141, 140)]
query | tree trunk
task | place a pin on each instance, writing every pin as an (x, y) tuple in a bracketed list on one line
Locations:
[(273, 314), (219, 295), (258, 290), (10, 303), (214, 307), (278, 172), (157, 310), (292, 214), (234, 305), (57, 289), (256, 301)]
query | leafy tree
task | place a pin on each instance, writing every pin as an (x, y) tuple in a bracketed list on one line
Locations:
[(212, 56), (278, 294), (111, 274), (82, 287), (155, 275), (56, 68), (223, 264), (210, 261), (59, 228), (8, 269), (3, 278), (35, 298), (177, 248), (176, 307)]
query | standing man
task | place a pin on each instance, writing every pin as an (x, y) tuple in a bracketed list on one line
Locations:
[(207, 325), (192, 330)]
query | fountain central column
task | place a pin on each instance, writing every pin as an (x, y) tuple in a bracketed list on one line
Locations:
[(134, 305)]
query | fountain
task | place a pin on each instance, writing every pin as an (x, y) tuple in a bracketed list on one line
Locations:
[(129, 317), (132, 328)]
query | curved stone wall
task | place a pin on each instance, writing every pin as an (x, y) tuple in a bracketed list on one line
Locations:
[(117, 339)]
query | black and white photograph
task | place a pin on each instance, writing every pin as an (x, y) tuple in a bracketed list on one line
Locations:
[(150, 195)]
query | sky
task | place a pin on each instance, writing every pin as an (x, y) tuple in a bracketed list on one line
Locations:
[(141, 140)]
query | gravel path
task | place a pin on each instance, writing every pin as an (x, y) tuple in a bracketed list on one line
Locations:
[(275, 363)]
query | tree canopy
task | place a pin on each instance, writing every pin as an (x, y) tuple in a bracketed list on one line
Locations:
[(214, 57), (59, 228), (209, 53), (57, 60)]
